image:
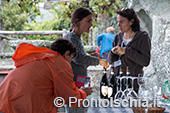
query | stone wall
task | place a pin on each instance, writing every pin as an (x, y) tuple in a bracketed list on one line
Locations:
[(104, 21), (96, 73), (155, 18)]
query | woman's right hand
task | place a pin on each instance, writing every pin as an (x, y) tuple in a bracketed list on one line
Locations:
[(104, 63), (118, 50), (114, 50), (88, 90)]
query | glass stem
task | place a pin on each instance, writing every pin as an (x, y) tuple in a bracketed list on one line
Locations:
[(132, 82), (120, 84)]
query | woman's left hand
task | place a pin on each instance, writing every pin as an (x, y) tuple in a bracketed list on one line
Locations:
[(120, 50)]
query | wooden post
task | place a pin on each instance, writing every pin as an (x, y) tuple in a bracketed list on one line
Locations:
[(31, 32), (1, 28), (4, 33), (1, 48), (64, 32), (1, 23)]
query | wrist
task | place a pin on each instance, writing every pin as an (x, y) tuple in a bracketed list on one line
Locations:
[(124, 49)]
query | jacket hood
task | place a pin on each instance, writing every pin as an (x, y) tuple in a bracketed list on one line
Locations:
[(26, 53)]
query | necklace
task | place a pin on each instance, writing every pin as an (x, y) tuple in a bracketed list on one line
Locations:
[(131, 34), (126, 41), (129, 37)]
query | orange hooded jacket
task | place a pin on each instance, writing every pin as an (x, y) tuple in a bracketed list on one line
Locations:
[(40, 76)]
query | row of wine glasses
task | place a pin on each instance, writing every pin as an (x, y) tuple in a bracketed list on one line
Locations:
[(144, 92), (149, 93), (128, 92)]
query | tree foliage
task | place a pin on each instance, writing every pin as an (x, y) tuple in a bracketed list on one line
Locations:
[(63, 10), (14, 13)]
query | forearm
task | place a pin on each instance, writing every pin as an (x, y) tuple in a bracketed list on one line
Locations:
[(112, 57), (86, 60)]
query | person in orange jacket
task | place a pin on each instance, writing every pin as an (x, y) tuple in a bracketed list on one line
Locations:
[(41, 75)]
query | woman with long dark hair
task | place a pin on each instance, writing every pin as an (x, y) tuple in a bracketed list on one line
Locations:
[(131, 46)]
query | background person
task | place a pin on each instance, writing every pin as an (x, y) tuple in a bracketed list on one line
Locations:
[(81, 21), (104, 42), (40, 76), (131, 46)]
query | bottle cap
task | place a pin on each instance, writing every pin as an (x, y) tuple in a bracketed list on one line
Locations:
[(104, 71), (127, 73), (120, 72), (112, 73)]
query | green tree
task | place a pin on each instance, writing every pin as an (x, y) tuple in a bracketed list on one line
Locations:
[(14, 13), (63, 10)]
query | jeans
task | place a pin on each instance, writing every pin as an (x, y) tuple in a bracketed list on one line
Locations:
[(105, 55)]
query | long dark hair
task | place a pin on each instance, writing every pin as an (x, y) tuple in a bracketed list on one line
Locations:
[(130, 14), (78, 14)]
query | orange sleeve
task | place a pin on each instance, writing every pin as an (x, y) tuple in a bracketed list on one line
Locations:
[(65, 87)]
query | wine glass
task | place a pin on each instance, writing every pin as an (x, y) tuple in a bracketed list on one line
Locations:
[(157, 95), (119, 94), (141, 83), (127, 90), (132, 92), (141, 79), (147, 95)]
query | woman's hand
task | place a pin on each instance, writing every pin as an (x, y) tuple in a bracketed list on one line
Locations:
[(118, 50), (88, 90), (104, 63), (95, 54), (114, 50)]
